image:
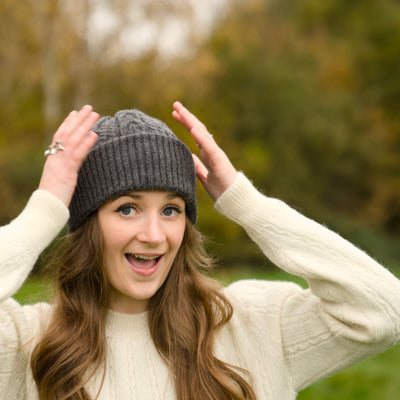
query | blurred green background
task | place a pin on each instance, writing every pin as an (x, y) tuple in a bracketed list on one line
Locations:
[(302, 95)]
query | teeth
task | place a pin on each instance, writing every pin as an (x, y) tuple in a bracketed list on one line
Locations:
[(145, 257)]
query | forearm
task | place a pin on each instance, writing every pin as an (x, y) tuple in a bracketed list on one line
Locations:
[(23, 239), (294, 242), (352, 310)]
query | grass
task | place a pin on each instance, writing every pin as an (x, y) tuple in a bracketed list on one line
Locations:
[(34, 290), (374, 379)]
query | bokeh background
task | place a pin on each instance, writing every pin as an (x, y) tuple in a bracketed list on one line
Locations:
[(302, 95)]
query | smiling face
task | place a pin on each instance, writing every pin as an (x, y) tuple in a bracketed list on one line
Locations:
[(142, 232)]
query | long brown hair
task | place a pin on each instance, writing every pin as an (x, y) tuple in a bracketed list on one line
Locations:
[(184, 316), (74, 341)]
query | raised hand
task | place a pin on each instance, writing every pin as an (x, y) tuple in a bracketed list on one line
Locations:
[(214, 170), (70, 146)]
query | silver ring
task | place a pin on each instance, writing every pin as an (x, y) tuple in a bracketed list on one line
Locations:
[(54, 148), (211, 136)]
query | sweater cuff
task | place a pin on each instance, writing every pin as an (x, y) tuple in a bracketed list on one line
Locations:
[(240, 198)]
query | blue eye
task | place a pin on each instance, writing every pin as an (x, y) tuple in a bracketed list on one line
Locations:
[(171, 210), (126, 210)]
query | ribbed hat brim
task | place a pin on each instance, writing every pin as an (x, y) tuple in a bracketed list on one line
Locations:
[(135, 162)]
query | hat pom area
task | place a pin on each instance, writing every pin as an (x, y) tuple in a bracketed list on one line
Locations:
[(133, 152)]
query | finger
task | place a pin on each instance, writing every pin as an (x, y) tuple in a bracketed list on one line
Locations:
[(178, 117), (197, 129), (204, 140), (85, 146), (186, 118), (82, 122), (183, 116), (63, 126), (72, 122), (77, 144), (84, 128), (210, 183), (79, 116), (201, 170)]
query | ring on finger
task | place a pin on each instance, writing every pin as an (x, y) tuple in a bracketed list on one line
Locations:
[(54, 148), (211, 136)]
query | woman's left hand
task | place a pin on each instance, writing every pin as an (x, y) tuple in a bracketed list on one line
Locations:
[(215, 171)]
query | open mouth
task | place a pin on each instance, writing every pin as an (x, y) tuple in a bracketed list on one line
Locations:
[(141, 261)]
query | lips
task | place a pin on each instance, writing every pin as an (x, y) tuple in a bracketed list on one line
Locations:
[(143, 264)]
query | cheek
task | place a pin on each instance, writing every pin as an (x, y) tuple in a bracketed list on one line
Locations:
[(109, 244), (113, 245), (112, 234), (178, 235)]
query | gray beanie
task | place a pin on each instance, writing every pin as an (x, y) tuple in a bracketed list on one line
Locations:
[(133, 152)]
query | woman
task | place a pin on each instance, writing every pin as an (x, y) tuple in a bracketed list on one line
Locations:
[(133, 317)]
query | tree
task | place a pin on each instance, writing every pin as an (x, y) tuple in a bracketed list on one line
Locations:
[(290, 83)]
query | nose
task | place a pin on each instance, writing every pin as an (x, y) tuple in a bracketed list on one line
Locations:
[(151, 230)]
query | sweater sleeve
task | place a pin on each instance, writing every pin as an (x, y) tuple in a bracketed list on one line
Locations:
[(21, 242), (23, 239), (351, 310)]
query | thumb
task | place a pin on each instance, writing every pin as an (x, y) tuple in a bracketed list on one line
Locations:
[(201, 170)]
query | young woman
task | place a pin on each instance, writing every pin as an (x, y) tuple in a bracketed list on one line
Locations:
[(134, 319)]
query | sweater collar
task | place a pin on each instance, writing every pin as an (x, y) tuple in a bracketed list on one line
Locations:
[(119, 324)]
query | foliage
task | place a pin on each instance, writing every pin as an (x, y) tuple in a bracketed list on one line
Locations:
[(307, 84), (301, 95)]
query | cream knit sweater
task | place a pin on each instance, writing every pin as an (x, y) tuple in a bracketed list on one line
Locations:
[(285, 336)]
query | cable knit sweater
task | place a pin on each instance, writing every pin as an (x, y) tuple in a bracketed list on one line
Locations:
[(285, 336)]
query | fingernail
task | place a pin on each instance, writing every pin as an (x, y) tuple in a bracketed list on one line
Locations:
[(87, 107)]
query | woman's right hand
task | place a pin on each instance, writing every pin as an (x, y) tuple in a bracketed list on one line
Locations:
[(60, 172)]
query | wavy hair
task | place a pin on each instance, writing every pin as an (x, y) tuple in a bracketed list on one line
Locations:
[(184, 316)]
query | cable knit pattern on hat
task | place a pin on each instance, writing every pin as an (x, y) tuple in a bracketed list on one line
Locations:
[(133, 152), (285, 336)]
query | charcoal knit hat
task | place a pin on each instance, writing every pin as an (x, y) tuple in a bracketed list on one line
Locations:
[(133, 152)]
